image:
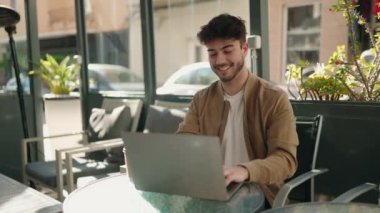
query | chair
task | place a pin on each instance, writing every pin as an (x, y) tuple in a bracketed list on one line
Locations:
[(309, 131), (162, 119), (340, 204), (104, 135), (355, 192)]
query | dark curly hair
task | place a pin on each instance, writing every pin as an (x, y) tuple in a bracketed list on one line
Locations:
[(223, 26)]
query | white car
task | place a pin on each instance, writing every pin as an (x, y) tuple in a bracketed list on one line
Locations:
[(188, 80)]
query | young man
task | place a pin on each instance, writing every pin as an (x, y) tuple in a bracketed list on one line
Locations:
[(253, 118)]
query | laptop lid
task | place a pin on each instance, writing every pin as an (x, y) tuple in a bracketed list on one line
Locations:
[(180, 164)]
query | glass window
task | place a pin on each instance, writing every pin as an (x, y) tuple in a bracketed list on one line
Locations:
[(7, 73), (176, 24), (115, 48), (302, 30), (203, 76), (56, 31), (113, 32), (303, 34), (185, 79)]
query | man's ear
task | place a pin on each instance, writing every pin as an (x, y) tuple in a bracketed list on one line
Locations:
[(244, 47)]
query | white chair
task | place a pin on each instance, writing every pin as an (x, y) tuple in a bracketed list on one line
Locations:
[(117, 115)]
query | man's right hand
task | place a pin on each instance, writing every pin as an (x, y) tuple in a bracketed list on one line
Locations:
[(235, 174)]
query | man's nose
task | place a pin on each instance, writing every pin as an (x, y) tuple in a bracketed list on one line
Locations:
[(220, 59)]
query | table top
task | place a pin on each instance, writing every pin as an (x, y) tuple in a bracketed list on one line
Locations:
[(16, 197), (326, 207), (118, 194)]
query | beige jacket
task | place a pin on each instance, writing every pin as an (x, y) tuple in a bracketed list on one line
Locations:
[(269, 129)]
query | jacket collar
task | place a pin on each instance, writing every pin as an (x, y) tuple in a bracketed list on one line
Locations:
[(248, 88)]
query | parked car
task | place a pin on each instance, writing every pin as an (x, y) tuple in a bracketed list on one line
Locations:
[(111, 77), (102, 77), (188, 80)]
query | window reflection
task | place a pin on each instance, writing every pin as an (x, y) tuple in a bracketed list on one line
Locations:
[(176, 23), (109, 77), (303, 34), (302, 30), (201, 76), (113, 32), (188, 80), (114, 35), (56, 31)]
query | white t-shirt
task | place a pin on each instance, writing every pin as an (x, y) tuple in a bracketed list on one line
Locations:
[(235, 150)]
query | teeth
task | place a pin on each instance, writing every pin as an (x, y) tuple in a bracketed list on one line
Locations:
[(224, 68)]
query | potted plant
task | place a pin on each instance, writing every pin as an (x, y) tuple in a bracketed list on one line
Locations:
[(354, 77), (61, 77), (347, 92), (321, 85)]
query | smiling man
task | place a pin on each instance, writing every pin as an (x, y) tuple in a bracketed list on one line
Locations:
[(252, 117)]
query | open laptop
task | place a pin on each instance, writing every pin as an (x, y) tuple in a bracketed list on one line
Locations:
[(181, 164)]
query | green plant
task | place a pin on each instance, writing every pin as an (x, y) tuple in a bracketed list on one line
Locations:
[(60, 77), (321, 85), (356, 77)]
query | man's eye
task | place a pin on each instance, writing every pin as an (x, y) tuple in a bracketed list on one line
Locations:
[(227, 51), (211, 54)]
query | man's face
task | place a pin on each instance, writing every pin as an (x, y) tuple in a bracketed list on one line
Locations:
[(226, 57)]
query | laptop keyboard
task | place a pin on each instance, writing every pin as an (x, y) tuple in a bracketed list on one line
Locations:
[(233, 187)]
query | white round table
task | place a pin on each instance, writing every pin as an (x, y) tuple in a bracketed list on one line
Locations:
[(118, 194)]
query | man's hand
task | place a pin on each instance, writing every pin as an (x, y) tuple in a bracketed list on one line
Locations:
[(235, 174)]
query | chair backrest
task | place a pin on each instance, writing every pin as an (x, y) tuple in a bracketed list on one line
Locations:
[(350, 149), (115, 116), (134, 105), (309, 131), (163, 120)]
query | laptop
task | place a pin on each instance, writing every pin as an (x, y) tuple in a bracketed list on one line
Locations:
[(180, 164)]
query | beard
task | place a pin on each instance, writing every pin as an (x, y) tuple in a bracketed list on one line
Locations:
[(234, 70)]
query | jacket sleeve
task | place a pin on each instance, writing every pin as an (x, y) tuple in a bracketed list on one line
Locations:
[(281, 141), (190, 123)]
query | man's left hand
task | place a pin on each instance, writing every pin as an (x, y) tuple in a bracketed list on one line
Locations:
[(235, 174)]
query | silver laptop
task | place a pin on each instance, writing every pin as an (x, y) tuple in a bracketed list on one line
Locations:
[(189, 165)]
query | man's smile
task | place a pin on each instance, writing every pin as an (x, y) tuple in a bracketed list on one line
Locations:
[(222, 68)]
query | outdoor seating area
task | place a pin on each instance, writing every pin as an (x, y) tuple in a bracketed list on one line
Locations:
[(301, 188), (62, 174)]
